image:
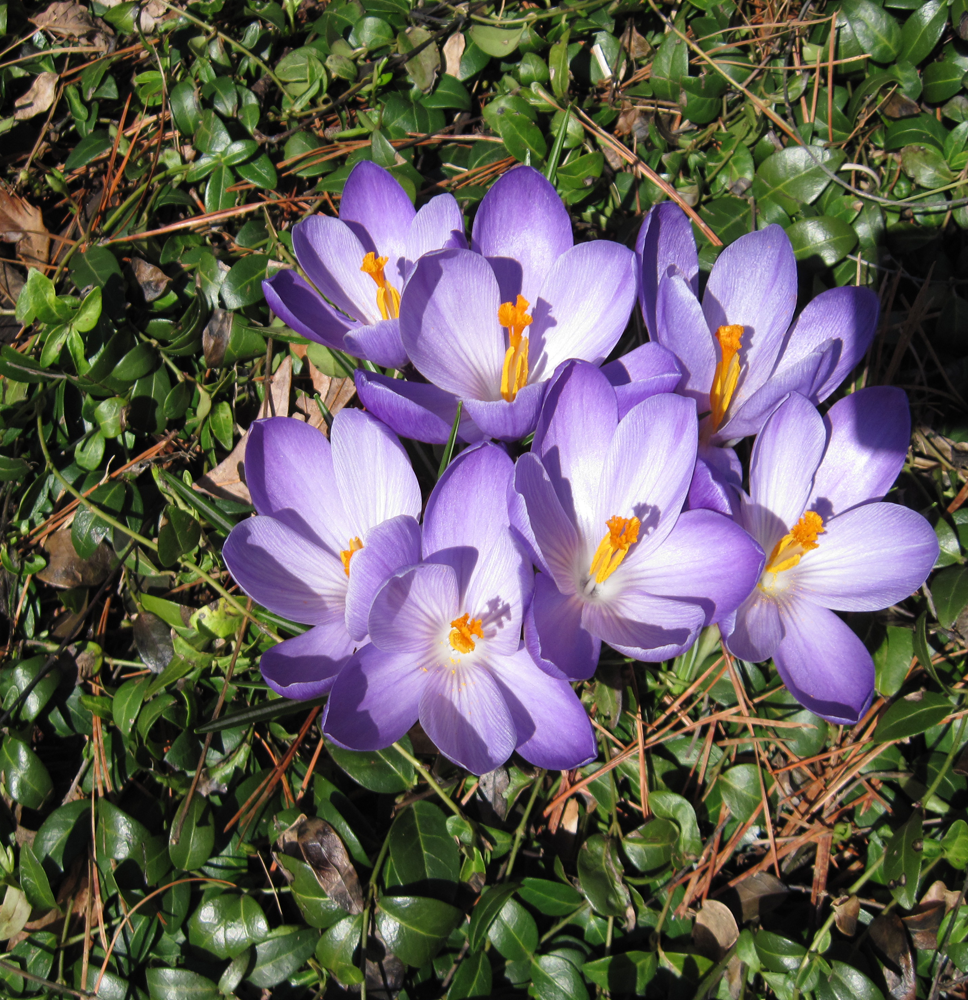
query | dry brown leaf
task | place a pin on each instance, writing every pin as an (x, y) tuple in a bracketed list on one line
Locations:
[(636, 44), (846, 914), (152, 281), (39, 98), (314, 841), (899, 106), (23, 224), (758, 895), (11, 282), (453, 53), (215, 337), (65, 18), (335, 393), (893, 949), (66, 569), (715, 930)]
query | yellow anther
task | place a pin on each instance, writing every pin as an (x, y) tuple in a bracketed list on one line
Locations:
[(347, 554), (514, 375), (623, 533), (791, 548), (387, 297), (730, 339), (462, 633)]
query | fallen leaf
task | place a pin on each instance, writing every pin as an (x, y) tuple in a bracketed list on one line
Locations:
[(846, 914), (758, 895), (335, 393), (11, 282), (23, 224), (66, 569), (715, 930), (899, 106), (152, 281), (152, 636), (453, 53), (314, 841), (893, 950), (39, 98), (215, 337), (65, 18)]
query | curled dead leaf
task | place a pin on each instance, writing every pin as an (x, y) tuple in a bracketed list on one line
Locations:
[(846, 914), (215, 337), (715, 930), (314, 841), (756, 896), (453, 53), (152, 281), (23, 224), (893, 950), (66, 569), (152, 636), (65, 18), (39, 98)]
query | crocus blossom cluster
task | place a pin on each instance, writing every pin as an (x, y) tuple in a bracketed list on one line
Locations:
[(589, 501)]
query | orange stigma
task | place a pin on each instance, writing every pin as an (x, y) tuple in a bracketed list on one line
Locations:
[(623, 533), (462, 633), (347, 554), (791, 548), (387, 297), (730, 339), (514, 375)]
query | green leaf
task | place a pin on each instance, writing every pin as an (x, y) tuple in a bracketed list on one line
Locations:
[(415, 929), (228, 924), (941, 80), (243, 284), (279, 956), (140, 360), (217, 195), (511, 118), (514, 932), (316, 907), (825, 238), (14, 912), (867, 30), (950, 592), (203, 507), (126, 704), (558, 65), (486, 911), (926, 165), (12, 468), (600, 876), (472, 979), (260, 171), (34, 881), (119, 836), (668, 805), (197, 840), (670, 65), (496, 42), (910, 718), (892, 661), (955, 844), (180, 534), (89, 148), (383, 771), (180, 984), (425, 857), (740, 789), (846, 983), (777, 953), (629, 972), (553, 899), (25, 776), (211, 135), (223, 424), (702, 99), (902, 861), (450, 93), (922, 30), (650, 846), (924, 130), (337, 949), (18, 367), (63, 834), (38, 300), (185, 109), (20, 677), (794, 176), (553, 977)]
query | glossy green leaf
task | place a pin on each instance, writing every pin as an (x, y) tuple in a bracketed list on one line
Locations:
[(892, 660), (514, 932), (34, 881), (92, 146), (338, 948), (383, 771), (25, 776), (902, 861), (472, 979), (180, 984), (496, 42), (243, 284), (415, 929), (867, 30), (553, 899), (600, 876), (909, 718), (922, 30), (197, 840), (424, 855), (629, 972), (227, 925), (824, 238), (281, 954), (554, 977), (486, 911), (740, 789), (950, 592)]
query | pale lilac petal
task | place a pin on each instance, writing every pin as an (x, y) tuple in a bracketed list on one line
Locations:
[(868, 435), (583, 307), (707, 559), (754, 284), (304, 310), (681, 327), (388, 548), (846, 315), (464, 712), (289, 472), (825, 666), (647, 370), (555, 636), (521, 527), (449, 327), (379, 343), (414, 410), (551, 724), (331, 255), (306, 666), (648, 469), (785, 457), (508, 421), (378, 210), (285, 572), (554, 532), (372, 470), (717, 481), (523, 228), (439, 225), (375, 699), (413, 610), (868, 558), (642, 626), (665, 245), (758, 629)]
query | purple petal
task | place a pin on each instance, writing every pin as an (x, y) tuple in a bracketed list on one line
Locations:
[(414, 410), (665, 245), (289, 472), (439, 225), (647, 370), (378, 210), (413, 610), (682, 328), (521, 527), (868, 558), (449, 327), (846, 315), (823, 663), (707, 559), (374, 700), (331, 255), (757, 631), (868, 434), (522, 227), (754, 284), (373, 472), (583, 307), (464, 712), (285, 572), (642, 626), (508, 421), (555, 636), (306, 667), (785, 457), (717, 481), (389, 547), (551, 724), (379, 343), (304, 310)]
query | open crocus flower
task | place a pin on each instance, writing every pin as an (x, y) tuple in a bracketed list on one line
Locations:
[(620, 560), (360, 263), (445, 641), (489, 326), (334, 520), (815, 487)]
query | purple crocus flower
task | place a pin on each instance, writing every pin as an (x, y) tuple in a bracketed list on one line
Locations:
[(445, 641), (620, 560), (815, 487), (489, 326), (739, 351), (360, 263), (333, 521)]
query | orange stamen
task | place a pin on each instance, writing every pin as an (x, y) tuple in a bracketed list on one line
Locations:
[(623, 533), (347, 554), (514, 375), (730, 339), (463, 630), (387, 297), (792, 547)]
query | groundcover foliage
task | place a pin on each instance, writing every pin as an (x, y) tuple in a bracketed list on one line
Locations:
[(172, 829)]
